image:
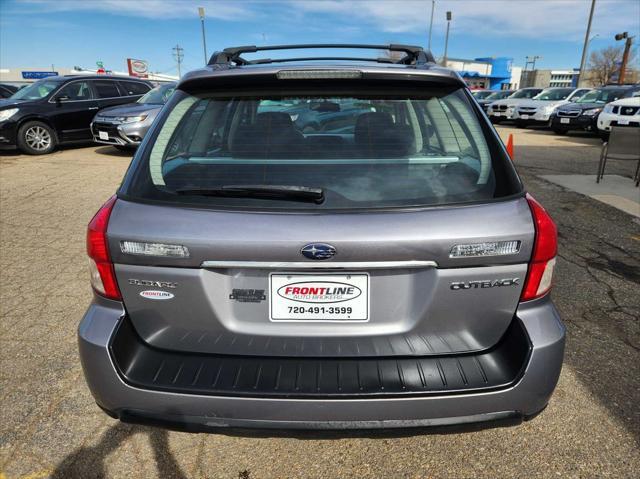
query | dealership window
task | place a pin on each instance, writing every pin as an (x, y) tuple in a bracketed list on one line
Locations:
[(133, 88), (106, 88)]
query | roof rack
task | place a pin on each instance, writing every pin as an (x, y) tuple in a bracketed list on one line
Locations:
[(415, 55)]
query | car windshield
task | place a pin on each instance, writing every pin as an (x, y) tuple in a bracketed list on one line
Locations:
[(526, 93), (482, 94), (602, 96), (159, 95), (355, 150), (553, 94), (36, 91), (499, 95)]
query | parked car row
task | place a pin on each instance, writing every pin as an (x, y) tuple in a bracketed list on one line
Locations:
[(585, 113), (73, 109), (565, 109)]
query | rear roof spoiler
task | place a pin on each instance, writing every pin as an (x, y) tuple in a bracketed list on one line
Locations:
[(414, 55)]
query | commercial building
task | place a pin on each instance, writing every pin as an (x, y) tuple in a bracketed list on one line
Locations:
[(549, 78), (21, 76), (489, 72)]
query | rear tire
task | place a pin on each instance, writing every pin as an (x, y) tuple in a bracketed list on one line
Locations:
[(36, 138)]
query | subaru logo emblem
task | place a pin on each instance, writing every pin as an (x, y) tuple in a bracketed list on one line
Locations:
[(318, 251)]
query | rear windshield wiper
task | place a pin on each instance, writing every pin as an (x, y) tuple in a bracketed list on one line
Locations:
[(269, 192)]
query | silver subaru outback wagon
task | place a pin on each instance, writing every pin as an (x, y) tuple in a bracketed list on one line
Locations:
[(321, 243)]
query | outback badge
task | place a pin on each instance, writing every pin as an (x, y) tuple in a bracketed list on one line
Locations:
[(485, 283)]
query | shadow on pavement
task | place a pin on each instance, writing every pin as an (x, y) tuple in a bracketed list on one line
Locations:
[(113, 151), (89, 462)]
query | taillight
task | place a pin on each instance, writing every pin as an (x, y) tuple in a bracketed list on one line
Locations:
[(103, 275), (545, 248)]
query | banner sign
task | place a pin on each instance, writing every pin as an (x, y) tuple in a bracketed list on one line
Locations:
[(38, 75), (138, 68)]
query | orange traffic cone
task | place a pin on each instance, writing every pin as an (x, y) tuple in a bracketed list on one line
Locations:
[(510, 146)]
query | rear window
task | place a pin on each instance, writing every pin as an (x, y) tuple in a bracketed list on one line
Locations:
[(134, 88), (363, 150)]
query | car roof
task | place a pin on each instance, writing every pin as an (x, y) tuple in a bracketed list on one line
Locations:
[(415, 64), (611, 87), (65, 78)]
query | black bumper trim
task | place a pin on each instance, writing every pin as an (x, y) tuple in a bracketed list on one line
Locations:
[(144, 366)]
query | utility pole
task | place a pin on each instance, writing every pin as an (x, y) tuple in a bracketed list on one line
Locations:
[(433, 7), (204, 39), (583, 61), (446, 41), (531, 62), (625, 55), (529, 76), (178, 55)]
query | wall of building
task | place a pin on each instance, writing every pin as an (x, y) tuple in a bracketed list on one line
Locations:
[(495, 73), (548, 78), (25, 75), (514, 81)]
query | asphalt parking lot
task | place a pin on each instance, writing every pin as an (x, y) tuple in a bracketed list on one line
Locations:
[(50, 426)]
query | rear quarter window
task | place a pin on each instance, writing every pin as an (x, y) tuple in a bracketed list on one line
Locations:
[(132, 88)]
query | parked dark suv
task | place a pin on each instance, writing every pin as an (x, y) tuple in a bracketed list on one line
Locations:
[(385, 270), (58, 110)]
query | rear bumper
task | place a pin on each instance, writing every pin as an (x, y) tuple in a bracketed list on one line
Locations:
[(526, 396)]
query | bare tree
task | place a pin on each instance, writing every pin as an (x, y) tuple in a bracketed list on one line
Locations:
[(604, 64)]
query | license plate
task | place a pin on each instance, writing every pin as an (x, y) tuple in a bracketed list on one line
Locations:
[(565, 120), (319, 297), (524, 117), (103, 135), (623, 121)]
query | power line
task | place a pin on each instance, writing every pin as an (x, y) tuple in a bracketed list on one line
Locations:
[(178, 55)]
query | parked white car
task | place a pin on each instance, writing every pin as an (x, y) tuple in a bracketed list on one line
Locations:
[(504, 109), (539, 109), (623, 112)]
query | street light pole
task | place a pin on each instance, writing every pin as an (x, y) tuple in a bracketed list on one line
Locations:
[(433, 7), (446, 41), (583, 61), (204, 39)]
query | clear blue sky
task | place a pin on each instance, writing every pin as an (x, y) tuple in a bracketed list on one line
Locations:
[(38, 33)]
